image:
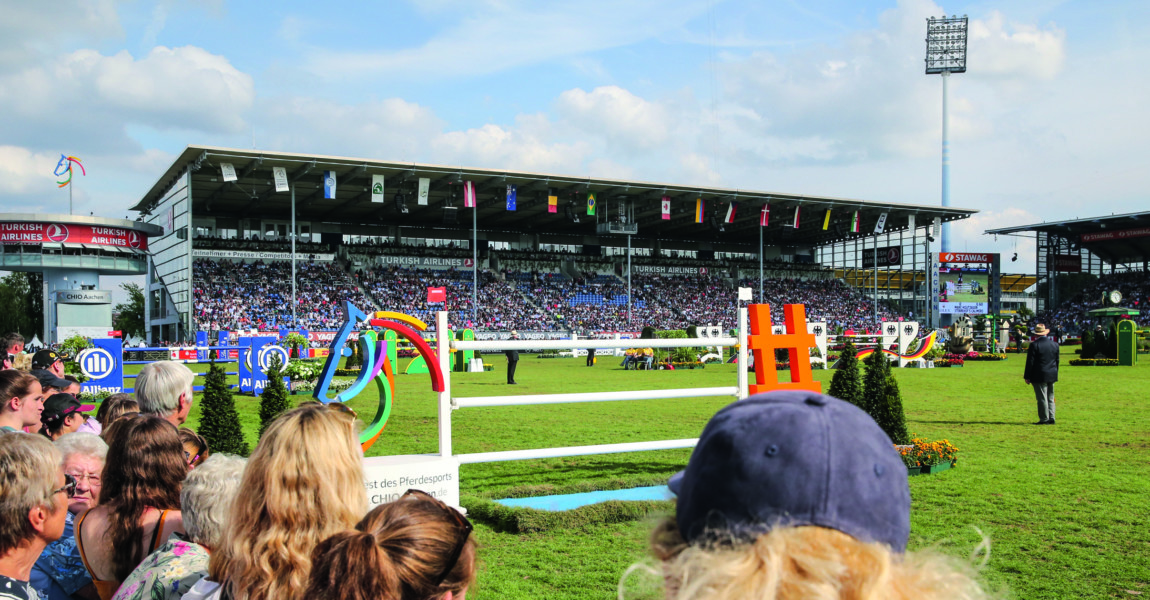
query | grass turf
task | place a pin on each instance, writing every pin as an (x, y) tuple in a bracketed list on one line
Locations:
[(1064, 506)]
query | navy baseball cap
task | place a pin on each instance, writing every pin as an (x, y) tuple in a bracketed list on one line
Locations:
[(794, 458)]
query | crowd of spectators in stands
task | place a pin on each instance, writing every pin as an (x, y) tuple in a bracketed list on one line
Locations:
[(233, 296), (237, 296), (1070, 316)]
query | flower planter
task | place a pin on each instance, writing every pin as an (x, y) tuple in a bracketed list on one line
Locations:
[(940, 467), (912, 471)]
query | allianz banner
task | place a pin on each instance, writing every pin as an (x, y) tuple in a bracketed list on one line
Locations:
[(103, 364)]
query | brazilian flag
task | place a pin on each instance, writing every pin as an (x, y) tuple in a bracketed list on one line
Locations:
[(590, 204)]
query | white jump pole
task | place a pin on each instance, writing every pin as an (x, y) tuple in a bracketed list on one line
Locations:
[(742, 352), (526, 399), (444, 354), (480, 457), (589, 343)]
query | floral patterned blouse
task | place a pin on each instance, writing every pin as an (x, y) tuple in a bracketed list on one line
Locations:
[(166, 574)]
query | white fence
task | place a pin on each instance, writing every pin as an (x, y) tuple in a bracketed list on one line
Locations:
[(449, 403)]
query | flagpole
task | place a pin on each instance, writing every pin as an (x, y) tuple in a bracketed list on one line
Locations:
[(761, 300), (628, 279), (70, 198), (475, 263), (294, 301)]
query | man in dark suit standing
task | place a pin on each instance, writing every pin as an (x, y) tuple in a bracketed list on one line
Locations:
[(512, 360), (1042, 372)]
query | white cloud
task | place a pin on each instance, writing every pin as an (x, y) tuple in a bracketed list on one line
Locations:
[(616, 114), (1015, 51), (30, 32), (23, 171), (88, 100)]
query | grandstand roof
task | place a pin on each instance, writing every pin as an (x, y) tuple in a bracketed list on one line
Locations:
[(1116, 239), (253, 196)]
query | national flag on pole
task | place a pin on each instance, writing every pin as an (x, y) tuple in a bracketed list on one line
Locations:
[(377, 188), (795, 222), (436, 295), (910, 223), (827, 220), (424, 188), (881, 225), (552, 204), (731, 212), (329, 185), (856, 223), (590, 204), (469, 194), (666, 202), (765, 216), (512, 196), (698, 210)]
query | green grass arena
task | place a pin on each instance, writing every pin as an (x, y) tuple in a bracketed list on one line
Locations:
[(1065, 507)]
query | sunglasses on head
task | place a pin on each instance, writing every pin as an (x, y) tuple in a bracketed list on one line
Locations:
[(69, 486), (463, 530)]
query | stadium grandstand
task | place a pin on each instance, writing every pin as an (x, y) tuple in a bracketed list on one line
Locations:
[(247, 231), (1079, 263)]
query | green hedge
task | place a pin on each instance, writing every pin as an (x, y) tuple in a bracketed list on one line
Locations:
[(516, 519), (1094, 362)]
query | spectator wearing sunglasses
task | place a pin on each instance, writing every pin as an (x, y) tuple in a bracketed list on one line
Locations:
[(34, 495), (59, 573), (196, 448), (416, 548), (303, 484)]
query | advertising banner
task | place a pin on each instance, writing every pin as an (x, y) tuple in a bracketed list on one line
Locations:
[(888, 256), (426, 261), (965, 257), (103, 364), (41, 233), (246, 255), (386, 478), (1067, 263), (663, 270), (1116, 235)]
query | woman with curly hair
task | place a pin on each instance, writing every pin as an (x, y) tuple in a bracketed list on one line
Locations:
[(303, 483), (139, 500), (416, 548)]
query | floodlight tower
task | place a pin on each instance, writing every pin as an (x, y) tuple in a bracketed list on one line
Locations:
[(945, 54)]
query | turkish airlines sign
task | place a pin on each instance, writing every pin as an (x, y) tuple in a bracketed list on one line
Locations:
[(1116, 235), (45, 233), (965, 257)]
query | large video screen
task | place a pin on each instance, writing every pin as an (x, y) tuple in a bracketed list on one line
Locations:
[(963, 291)]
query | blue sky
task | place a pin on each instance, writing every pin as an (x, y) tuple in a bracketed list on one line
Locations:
[(801, 97)]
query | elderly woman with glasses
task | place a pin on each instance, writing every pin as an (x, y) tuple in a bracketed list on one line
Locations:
[(59, 573), (416, 547), (32, 509)]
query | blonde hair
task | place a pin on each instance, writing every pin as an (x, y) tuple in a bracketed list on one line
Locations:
[(303, 483), (805, 562), (159, 385), (28, 467)]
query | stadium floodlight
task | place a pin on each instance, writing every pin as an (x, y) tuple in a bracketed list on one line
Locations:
[(946, 54)]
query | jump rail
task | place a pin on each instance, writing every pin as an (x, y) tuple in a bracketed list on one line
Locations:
[(447, 403)]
